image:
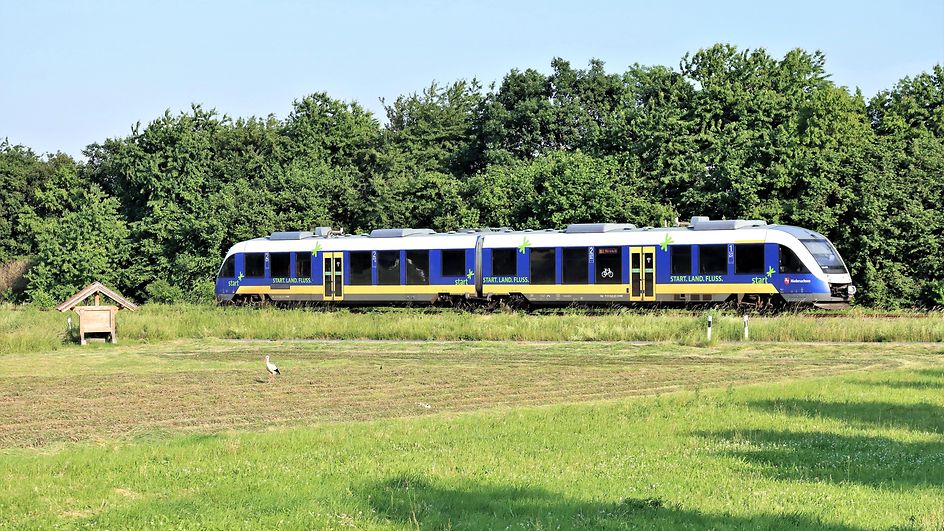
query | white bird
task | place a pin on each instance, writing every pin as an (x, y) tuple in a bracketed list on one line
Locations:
[(273, 370)]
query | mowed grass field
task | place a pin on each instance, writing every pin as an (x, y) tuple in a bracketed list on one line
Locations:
[(472, 435)]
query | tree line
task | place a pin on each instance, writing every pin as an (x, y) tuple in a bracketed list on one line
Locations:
[(728, 133)]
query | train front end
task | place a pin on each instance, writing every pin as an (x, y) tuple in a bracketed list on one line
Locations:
[(822, 278)]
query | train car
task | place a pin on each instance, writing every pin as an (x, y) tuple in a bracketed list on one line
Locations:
[(387, 266), (708, 261)]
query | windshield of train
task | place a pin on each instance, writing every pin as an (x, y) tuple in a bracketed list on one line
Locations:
[(826, 256)]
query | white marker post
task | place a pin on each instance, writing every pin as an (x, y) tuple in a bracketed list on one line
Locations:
[(709, 328), (745, 326)]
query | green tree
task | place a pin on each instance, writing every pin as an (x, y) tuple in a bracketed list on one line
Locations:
[(88, 244), (565, 187), (436, 129), (531, 113), (904, 261), (19, 169)]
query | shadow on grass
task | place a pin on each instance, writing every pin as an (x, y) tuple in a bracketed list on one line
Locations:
[(916, 385), (419, 504), (920, 416), (933, 373), (921, 380), (823, 456)]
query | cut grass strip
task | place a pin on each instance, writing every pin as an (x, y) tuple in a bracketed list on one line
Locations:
[(105, 393)]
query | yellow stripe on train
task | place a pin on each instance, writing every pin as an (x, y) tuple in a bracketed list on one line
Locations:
[(504, 289)]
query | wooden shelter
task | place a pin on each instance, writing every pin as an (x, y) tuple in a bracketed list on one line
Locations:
[(96, 319)]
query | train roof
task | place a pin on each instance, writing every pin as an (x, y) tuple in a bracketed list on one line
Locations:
[(698, 223), (701, 229)]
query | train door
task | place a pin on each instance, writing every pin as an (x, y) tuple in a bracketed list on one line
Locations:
[(642, 273), (333, 276)]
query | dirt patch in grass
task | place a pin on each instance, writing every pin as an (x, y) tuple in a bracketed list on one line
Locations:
[(208, 390)]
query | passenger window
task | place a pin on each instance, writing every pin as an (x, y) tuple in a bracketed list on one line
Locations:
[(303, 265), (748, 258), (713, 259), (681, 259), (255, 265), (505, 262), (417, 267), (388, 268), (543, 262), (790, 263), (453, 263), (229, 267), (609, 265), (358, 266), (576, 262), (279, 264)]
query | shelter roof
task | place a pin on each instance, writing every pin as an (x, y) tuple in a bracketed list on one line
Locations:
[(92, 289)]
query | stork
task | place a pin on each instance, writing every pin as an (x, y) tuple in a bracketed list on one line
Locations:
[(273, 370)]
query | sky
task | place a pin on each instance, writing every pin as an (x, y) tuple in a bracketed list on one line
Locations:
[(74, 72)]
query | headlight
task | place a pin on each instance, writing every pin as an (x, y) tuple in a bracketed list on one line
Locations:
[(851, 290)]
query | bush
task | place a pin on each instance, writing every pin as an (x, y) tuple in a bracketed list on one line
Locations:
[(935, 292), (203, 293), (162, 291)]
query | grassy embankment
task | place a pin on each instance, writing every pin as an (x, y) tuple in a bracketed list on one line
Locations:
[(861, 449), (29, 329)]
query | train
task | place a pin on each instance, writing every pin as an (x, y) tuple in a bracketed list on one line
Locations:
[(703, 261)]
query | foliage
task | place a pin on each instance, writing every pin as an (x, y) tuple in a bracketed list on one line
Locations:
[(162, 292), (729, 133), (88, 244)]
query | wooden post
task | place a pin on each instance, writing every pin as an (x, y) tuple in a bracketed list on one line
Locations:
[(114, 325)]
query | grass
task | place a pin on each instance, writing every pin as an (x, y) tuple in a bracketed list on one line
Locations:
[(25, 329), (187, 434), (102, 393)]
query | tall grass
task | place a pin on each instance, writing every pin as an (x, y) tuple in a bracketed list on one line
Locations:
[(29, 329)]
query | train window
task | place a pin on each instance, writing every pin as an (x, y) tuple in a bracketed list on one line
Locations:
[(303, 265), (713, 259), (748, 258), (388, 268), (609, 265), (228, 270), (358, 266), (576, 261), (280, 264), (453, 263), (417, 267), (505, 262), (825, 255), (543, 262), (255, 265), (790, 263), (681, 258)]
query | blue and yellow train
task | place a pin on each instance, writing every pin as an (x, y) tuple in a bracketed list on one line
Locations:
[(705, 261)]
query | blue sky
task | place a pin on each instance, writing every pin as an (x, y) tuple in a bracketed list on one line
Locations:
[(78, 72)]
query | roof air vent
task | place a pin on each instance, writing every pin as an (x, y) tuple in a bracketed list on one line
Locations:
[(399, 233), (584, 228), (294, 235)]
